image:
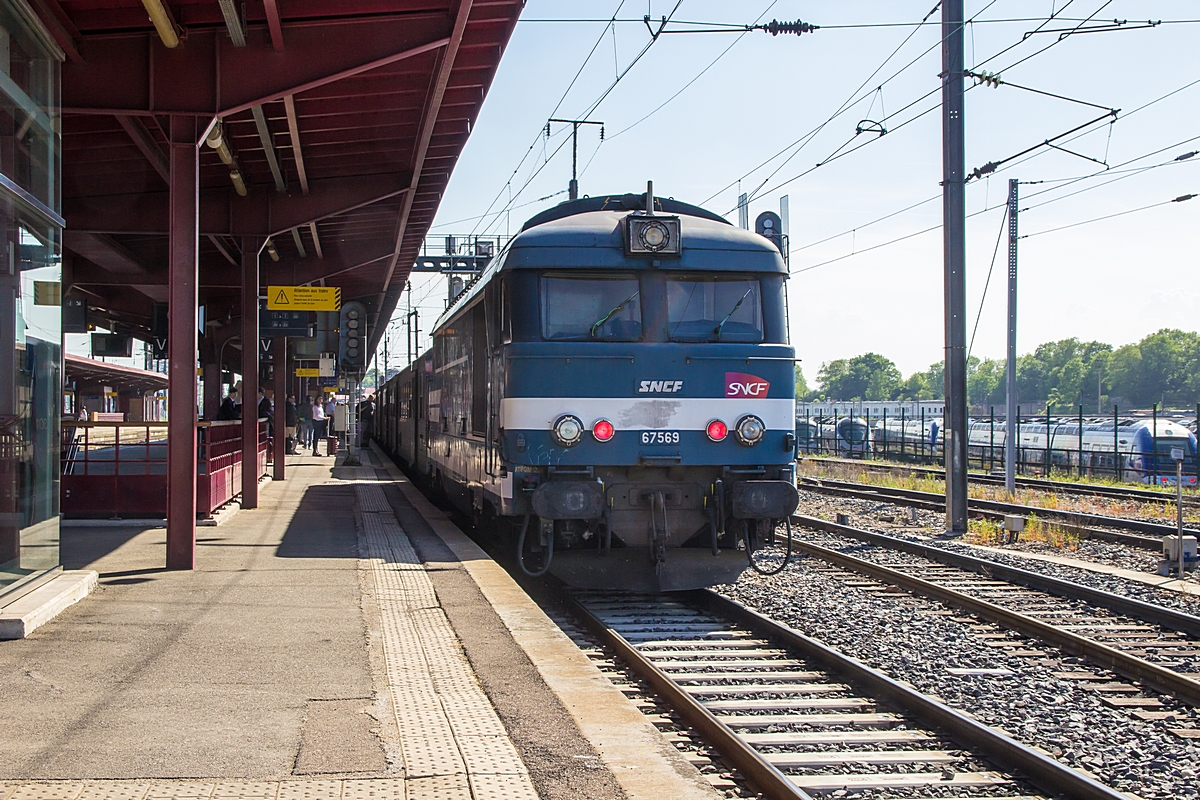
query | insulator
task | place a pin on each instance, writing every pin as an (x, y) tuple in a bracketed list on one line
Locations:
[(775, 27)]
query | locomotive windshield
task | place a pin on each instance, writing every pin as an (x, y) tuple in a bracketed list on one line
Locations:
[(714, 308), (591, 308)]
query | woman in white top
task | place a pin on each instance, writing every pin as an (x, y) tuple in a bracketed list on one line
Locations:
[(319, 423)]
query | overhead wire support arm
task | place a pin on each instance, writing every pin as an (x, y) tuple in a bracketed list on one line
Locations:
[(991, 166)]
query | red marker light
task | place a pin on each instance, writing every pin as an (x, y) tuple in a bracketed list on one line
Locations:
[(602, 430), (717, 430)]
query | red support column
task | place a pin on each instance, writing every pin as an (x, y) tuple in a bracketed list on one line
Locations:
[(181, 388), (250, 247), (279, 356)]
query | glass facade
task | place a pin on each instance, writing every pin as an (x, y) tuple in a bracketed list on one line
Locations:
[(30, 298)]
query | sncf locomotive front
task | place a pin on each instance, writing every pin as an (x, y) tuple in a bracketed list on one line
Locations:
[(641, 381)]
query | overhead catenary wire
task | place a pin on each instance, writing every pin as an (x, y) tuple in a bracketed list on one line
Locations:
[(1067, 181), (1180, 199), (557, 105), (838, 153), (586, 113)]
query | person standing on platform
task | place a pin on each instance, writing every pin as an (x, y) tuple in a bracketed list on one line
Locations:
[(318, 420), (290, 420), (368, 422), (304, 417), (229, 407)]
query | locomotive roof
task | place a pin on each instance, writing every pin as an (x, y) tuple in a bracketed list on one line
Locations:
[(586, 234), (592, 239)]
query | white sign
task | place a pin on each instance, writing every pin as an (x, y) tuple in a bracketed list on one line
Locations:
[(1177, 453), (327, 368)]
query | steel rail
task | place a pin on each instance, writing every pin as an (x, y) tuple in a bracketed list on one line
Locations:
[(1044, 484), (1162, 679), (1044, 771), (766, 778), (992, 508), (1149, 612)]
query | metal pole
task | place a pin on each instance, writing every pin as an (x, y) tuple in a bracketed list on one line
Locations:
[(182, 288), (1154, 453), (1116, 446), (279, 356), (954, 226), (1179, 509), (1048, 453), (1079, 469), (1010, 382), (250, 348), (573, 192)]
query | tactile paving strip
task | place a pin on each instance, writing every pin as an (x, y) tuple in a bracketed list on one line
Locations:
[(452, 742)]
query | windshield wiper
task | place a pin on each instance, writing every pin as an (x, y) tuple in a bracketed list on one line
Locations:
[(732, 311), (600, 322)]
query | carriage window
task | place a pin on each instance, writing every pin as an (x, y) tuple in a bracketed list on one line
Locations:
[(589, 308), (714, 308)]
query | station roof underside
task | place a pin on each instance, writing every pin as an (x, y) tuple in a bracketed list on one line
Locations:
[(345, 117), (87, 372)]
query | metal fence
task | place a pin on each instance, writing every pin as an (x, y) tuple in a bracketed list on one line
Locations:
[(1118, 447)]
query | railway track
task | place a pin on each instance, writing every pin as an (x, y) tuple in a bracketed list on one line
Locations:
[(1155, 646), (1131, 532), (1190, 498), (798, 719)]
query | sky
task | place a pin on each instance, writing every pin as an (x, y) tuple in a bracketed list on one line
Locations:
[(761, 112)]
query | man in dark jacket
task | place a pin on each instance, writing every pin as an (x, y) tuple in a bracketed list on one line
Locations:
[(229, 407), (290, 419), (368, 422), (265, 410)]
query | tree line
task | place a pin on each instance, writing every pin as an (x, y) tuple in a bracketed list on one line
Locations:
[(1163, 368)]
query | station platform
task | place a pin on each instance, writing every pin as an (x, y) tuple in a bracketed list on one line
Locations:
[(343, 640)]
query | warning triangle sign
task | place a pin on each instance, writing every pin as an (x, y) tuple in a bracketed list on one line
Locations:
[(282, 299)]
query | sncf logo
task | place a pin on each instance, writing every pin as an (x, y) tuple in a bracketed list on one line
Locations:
[(660, 387), (739, 384)]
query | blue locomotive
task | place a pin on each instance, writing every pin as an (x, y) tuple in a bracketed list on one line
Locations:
[(614, 394)]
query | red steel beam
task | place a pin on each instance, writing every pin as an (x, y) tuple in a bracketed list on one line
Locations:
[(181, 392), (274, 24), (223, 212), (134, 74), (427, 127)]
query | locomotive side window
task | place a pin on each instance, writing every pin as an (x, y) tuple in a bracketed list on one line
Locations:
[(714, 308), (591, 308)]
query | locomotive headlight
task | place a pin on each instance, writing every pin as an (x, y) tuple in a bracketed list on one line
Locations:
[(567, 430), (654, 236), (717, 430), (750, 430)]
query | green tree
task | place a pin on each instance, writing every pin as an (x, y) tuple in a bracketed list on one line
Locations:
[(986, 381), (866, 377), (927, 385), (801, 384)]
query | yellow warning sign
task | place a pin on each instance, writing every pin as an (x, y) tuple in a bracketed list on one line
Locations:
[(304, 298), (307, 372)]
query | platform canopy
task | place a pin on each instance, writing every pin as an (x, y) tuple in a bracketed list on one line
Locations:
[(342, 119)]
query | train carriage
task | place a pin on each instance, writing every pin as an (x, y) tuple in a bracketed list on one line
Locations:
[(616, 390)]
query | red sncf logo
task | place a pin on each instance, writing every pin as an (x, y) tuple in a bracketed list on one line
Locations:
[(739, 384)]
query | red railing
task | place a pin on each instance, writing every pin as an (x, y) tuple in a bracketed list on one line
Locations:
[(119, 469)]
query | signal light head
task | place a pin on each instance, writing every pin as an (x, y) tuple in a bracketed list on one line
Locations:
[(603, 430), (717, 430)]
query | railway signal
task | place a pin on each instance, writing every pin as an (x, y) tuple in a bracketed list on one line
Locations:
[(352, 347)]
